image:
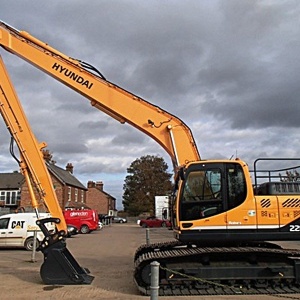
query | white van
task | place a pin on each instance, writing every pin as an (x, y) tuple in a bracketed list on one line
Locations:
[(17, 230)]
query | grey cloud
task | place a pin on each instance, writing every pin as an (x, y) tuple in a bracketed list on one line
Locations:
[(228, 69)]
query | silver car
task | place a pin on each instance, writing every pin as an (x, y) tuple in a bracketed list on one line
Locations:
[(119, 220)]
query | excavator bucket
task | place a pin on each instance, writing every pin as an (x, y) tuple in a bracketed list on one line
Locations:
[(60, 267)]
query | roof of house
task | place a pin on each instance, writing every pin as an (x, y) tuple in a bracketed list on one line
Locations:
[(11, 180), (99, 187), (107, 194), (15, 180), (65, 176)]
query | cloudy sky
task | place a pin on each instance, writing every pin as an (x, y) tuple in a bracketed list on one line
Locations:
[(229, 69)]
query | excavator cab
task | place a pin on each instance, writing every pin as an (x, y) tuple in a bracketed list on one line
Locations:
[(209, 193), (210, 188)]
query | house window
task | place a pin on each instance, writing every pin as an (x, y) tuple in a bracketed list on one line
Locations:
[(10, 197), (76, 195), (82, 196), (69, 193)]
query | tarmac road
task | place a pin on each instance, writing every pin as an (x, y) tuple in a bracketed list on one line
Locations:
[(108, 254)]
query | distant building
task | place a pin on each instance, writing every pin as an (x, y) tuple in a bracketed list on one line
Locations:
[(98, 199), (70, 192), (10, 190), (14, 192)]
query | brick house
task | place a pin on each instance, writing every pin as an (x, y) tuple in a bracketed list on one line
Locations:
[(69, 190), (98, 199), (10, 191)]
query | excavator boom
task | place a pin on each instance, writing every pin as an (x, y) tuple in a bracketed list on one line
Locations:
[(169, 131)]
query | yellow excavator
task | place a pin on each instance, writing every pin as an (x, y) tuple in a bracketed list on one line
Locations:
[(224, 224)]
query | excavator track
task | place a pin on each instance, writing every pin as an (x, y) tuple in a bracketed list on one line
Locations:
[(197, 270)]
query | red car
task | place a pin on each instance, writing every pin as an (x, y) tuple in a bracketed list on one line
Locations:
[(154, 222)]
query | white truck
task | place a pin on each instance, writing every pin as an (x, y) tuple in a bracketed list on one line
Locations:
[(162, 207), (17, 230)]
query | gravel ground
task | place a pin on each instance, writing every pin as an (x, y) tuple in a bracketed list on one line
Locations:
[(108, 254)]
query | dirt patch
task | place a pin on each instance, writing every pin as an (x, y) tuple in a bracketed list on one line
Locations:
[(108, 254)]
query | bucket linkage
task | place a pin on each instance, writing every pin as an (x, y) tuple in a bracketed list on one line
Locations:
[(59, 266)]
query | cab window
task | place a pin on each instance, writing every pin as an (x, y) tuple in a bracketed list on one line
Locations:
[(202, 185), (202, 194), (236, 182)]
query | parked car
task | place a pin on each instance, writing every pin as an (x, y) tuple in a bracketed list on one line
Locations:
[(105, 219), (154, 222), (72, 230), (17, 230), (100, 225), (86, 220), (119, 220)]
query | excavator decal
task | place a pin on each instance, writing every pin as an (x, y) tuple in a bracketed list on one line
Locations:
[(72, 75)]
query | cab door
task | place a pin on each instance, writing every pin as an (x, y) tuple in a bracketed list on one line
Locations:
[(242, 218), (203, 198), (16, 232), (3, 231), (241, 210)]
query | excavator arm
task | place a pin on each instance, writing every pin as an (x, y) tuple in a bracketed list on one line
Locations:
[(169, 131), (31, 162), (59, 266)]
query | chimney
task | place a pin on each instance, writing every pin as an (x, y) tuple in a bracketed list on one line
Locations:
[(99, 185), (69, 168), (47, 155), (91, 184)]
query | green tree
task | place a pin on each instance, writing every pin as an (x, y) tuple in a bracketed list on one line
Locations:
[(147, 177)]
